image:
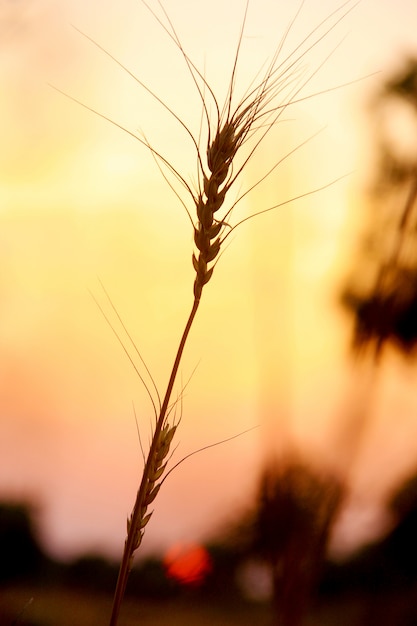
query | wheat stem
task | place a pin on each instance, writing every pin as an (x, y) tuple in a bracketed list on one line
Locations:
[(147, 491)]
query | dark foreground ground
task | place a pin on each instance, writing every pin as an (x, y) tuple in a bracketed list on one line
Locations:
[(69, 608), (31, 606)]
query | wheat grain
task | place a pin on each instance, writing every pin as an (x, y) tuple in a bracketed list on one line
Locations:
[(135, 527)]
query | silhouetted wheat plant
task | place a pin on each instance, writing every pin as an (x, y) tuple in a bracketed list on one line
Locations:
[(230, 135)]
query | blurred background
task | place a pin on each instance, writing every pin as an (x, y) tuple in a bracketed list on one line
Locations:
[(306, 333)]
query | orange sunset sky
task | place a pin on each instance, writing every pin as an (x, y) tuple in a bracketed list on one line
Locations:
[(83, 202)]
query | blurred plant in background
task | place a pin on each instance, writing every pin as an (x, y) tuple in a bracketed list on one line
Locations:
[(296, 510), (383, 293), (288, 529), (296, 506)]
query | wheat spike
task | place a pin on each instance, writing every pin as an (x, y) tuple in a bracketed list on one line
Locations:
[(219, 166)]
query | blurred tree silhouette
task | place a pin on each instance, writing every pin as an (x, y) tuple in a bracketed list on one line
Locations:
[(288, 528), (385, 307), (20, 553), (92, 572), (384, 573), (400, 544), (296, 509)]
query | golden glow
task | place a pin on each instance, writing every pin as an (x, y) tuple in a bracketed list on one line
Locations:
[(80, 199)]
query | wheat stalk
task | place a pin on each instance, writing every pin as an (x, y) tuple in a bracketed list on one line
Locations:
[(220, 163)]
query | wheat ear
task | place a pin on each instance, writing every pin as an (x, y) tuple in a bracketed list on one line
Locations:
[(252, 118), (219, 158)]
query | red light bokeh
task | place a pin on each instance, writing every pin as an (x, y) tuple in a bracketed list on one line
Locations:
[(187, 564)]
